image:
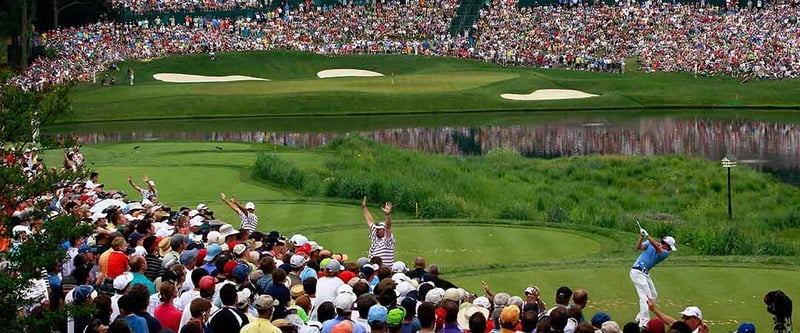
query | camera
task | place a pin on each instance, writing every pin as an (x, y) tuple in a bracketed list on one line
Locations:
[(780, 306)]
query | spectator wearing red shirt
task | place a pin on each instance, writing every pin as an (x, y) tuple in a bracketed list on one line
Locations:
[(118, 260), (167, 314)]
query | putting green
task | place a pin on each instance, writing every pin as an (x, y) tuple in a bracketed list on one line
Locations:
[(410, 83), (460, 246), (727, 296)]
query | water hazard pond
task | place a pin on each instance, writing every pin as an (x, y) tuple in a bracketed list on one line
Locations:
[(767, 141)]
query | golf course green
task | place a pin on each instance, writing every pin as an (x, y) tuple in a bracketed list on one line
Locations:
[(411, 84)]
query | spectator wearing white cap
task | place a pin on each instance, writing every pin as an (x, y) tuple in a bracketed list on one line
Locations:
[(380, 234), (344, 308), (247, 213), (121, 286), (691, 316), (330, 281)]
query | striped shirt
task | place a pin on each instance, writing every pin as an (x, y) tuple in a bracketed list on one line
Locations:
[(249, 221), (154, 268), (381, 247)]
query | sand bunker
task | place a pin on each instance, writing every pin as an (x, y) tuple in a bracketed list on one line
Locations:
[(329, 73), (189, 78), (548, 95)]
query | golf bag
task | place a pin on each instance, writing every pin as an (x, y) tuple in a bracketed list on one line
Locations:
[(780, 306)]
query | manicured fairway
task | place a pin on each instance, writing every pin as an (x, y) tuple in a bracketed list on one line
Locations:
[(725, 295), (461, 246), (412, 84)]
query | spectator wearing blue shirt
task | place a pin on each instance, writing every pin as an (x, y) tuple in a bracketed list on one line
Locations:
[(652, 254), (127, 307)]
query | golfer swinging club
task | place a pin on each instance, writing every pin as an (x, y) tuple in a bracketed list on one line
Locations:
[(652, 253)]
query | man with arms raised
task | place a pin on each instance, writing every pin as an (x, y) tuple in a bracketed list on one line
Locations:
[(652, 253), (380, 234)]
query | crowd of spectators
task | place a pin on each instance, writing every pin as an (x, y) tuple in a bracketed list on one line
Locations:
[(747, 43), (147, 268)]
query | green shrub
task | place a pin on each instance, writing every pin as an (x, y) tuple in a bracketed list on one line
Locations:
[(671, 195), (516, 211)]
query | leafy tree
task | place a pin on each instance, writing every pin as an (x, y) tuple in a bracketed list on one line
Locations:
[(20, 111)]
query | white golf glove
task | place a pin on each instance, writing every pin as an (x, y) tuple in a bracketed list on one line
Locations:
[(643, 233)]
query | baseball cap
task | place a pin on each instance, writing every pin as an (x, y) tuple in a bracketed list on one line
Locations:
[(344, 301), (84, 292), (746, 327), (303, 249), (671, 242), (212, 252), (298, 240), (693, 311), (87, 249), (482, 302), (297, 261), (452, 294), (510, 314), (196, 221), (377, 313), (380, 225), (241, 271), (599, 318), (344, 326), (435, 296), (188, 256), (213, 237), (333, 266), (242, 297), (265, 302), (564, 292), (501, 299), (202, 206), (610, 327), (399, 267), (238, 249), (122, 281), (655, 325), (250, 205), (395, 317), (368, 269), (315, 246), (177, 240), (207, 283), (228, 268)]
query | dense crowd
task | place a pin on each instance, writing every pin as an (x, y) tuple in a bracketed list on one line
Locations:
[(746, 43), (147, 268), (158, 6)]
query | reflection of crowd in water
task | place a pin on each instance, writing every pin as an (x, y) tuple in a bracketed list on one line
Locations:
[(709, 138)]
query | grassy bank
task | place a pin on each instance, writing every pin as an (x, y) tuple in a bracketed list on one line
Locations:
[(413, 84), (675, 195)]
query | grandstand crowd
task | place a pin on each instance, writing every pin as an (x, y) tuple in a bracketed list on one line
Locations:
[(148, 268), (748, 43)]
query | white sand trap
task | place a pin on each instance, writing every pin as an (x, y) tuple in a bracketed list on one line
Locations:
[(548, 95), (189, 78), (329, 73)]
